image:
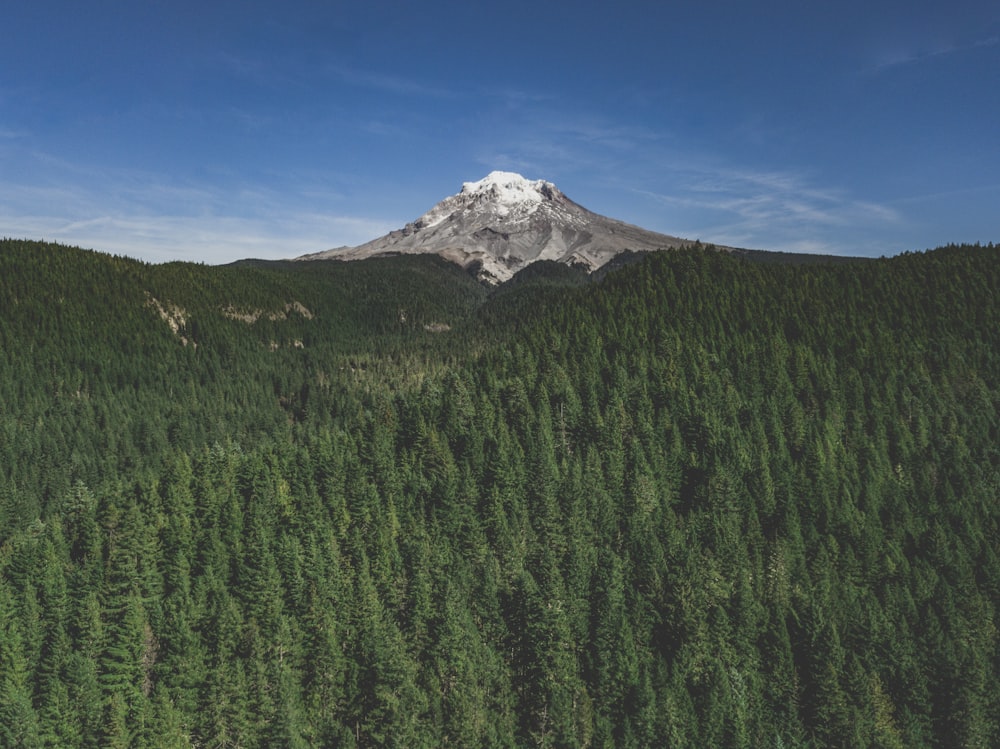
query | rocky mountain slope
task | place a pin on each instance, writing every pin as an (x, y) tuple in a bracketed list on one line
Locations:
[(504, 222)]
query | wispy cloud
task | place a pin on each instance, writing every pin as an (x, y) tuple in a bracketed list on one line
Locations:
[(904, 54), (541, 138), (392, 84), (142, 215), (768, 209), (211, 239), (516, 97), (941, 194), (278, 73), (686, 191)]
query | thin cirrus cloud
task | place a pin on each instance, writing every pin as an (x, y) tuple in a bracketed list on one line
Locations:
[(390, 84), (210, 239), (903, 54), (773, 209), (776, 210), (540, 138), (139, 215)]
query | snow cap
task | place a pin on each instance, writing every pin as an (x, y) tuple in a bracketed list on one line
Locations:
[(509, 188)]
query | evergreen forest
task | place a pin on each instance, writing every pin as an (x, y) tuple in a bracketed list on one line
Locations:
[(698, 501)]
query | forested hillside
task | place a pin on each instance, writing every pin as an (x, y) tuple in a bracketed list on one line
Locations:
[(702, 501)]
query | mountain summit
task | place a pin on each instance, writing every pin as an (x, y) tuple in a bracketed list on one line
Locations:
[(504, 222)]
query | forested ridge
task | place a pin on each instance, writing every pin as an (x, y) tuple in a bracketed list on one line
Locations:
[(702, 501)]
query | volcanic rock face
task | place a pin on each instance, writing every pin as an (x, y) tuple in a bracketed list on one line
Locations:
[(504, 222)]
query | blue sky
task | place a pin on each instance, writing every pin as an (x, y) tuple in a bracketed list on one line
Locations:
[(212, 131)]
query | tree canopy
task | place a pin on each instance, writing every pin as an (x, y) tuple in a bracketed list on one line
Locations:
[(700, 501)]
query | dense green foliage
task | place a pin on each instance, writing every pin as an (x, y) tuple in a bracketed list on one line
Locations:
[(701, 502)]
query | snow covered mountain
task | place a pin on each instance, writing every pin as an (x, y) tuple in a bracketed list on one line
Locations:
[(504, 222)]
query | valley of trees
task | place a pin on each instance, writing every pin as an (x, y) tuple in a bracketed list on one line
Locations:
[(701, 501)]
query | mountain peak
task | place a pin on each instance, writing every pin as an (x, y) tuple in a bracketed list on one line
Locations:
[(500, 224), (509, 187)]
